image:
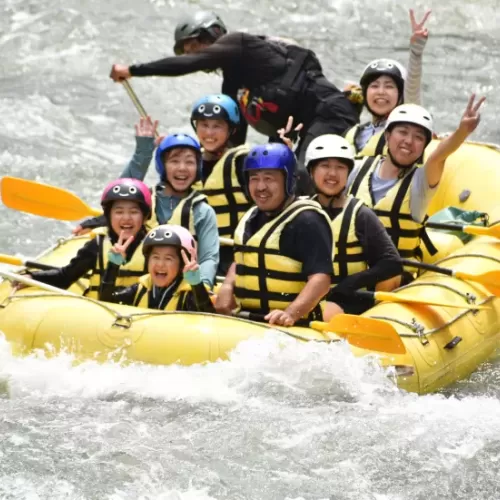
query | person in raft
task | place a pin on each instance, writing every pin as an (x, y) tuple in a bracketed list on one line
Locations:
[(385, 84), (173, 282), (365, 255), (175, 201), (395, 187), (127, 206), (282, 246), (271, 78)]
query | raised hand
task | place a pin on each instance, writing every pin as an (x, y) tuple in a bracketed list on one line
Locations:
[(120, 247), (471, 117), (190, 261), (146, 127), (284, 132), (417, 28)]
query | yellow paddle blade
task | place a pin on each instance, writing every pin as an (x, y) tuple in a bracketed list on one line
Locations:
[(44, 200), (367, 333), (493, 231), (490, 279), (10, 259), (401, 297)]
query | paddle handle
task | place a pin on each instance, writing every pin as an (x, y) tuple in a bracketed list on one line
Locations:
[(427, 267)]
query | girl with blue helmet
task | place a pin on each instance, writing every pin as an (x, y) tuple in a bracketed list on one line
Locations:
[(175, 199)]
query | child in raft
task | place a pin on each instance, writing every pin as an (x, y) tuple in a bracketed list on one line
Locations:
[(173, 282), (127, 206)]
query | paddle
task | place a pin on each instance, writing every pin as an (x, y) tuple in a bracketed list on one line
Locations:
[(367, 333), (31, 282), (136, 102), (16, 261), (491, 230), (44, 200), (490, 279), (405, 299)]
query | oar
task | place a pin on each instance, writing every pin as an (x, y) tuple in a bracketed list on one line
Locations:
[(44, 200), (16, 261), (31, 282), (136, 102), (367, 333), (490, 279), (406, 299), (492, 230)]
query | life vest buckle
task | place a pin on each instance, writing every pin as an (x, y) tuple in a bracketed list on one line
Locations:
[(123, 322)]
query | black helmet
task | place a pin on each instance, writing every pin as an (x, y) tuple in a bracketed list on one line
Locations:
[(387, 67), (201, 23)]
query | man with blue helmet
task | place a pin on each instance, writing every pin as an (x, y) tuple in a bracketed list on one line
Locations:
[(283, 245), (270, 77), (216, 118)]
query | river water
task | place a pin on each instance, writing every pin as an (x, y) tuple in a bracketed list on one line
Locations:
[(299, 422)]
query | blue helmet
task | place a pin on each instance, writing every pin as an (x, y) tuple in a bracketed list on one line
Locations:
[(216, 106), (273, 156), (176, 141)]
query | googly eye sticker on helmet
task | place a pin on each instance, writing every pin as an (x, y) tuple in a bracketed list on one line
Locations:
[(152, 235), (167, 234), (216, 109), (116, 189), (132, 190), (201, 109)]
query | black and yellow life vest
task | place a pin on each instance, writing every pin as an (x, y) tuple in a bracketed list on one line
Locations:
[(128, 274), (349, 257), (224, 192), (375, 146), (265, 278), (393, 209), (176, 302), (183, 214)]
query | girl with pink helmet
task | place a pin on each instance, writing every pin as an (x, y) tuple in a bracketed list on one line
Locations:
[(127, 206), (173, 282)]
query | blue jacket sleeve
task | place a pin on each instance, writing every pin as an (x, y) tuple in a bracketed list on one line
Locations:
[(205, 223), (137, 167)]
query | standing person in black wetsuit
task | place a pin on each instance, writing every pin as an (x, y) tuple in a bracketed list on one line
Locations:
[(271, 78)]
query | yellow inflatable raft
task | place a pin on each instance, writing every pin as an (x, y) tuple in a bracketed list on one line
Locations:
[(443, 344)]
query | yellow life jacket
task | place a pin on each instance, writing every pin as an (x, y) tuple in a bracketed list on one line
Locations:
[(176, 303), (349, 257), (183, 214), (266, 279), (224, 192), (375, 146), (128, 274), (393, 209)]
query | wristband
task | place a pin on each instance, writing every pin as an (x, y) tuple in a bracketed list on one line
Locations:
[(193, 277), (116, 258)]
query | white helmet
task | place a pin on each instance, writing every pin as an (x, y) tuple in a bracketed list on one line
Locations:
[(411, 113), (329, 146)]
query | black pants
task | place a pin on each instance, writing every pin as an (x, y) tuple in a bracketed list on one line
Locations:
[(333, 114)]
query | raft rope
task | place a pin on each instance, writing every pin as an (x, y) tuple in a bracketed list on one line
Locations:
[(126, 321)]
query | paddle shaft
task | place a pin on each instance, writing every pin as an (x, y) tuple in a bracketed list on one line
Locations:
[(37, 284), (135, 100), (427, 267), (16, 261)]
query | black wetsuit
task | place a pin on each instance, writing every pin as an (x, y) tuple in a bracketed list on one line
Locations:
[(251, 62)]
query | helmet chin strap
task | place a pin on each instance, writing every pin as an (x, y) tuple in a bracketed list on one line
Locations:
[(397, 164)]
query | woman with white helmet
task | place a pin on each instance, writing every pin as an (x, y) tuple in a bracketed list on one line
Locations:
[(385, 84), (398, 191), (364, 253)]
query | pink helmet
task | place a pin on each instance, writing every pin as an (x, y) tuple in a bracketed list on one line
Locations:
[(129, 190), (168, 235)]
